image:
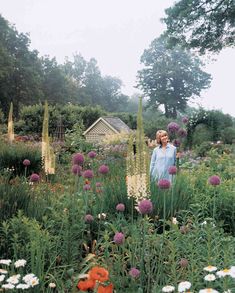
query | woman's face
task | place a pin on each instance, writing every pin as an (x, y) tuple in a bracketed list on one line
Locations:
[(163, 138)]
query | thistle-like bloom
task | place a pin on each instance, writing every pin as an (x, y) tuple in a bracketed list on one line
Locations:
[(98, 184), (145, 207), (183, 286), (86, 187), (173, 127), (26, 162), (168, 288), (185, 120), (183, 262), (76, 170), (134, 273), (92, 154), (89, 218), (182, 132), (88, 174), (119, 238), (34, 177), (172, 170), (210, 277), (103, 169), (120, 207), (164, 184), (214, 180), (176, 143), (78, 159)]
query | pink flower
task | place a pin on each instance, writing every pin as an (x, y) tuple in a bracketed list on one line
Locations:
[(76, 170), (145, 206), (119, 238), (89, 218), (164, 184), (78, 159), (176, 142), (182, 132), (92, 154), (103, 169), (86, 187), (98, 184), (214, 180), (34, 177), (26, 162), (134, 273), (172, 170), (120, 207), (185, 120), (173, 127), (88, 174)]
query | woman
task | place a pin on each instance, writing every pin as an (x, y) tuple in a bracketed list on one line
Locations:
[(163, 156)]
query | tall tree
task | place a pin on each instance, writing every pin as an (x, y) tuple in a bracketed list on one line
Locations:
[(202, 24), (170, 77)]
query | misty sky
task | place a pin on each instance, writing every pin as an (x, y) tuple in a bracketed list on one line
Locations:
[(115, 33)]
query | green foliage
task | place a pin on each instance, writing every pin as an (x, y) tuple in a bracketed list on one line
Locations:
[(171, 77), (204, 25)]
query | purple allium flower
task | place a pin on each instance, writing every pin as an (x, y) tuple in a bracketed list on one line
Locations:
[(134, 273), (183, 262), (145, 206), (78, 159), (185, 120), (92, 154), (26, 162), (34, 177), (182, 132), (172, 170), (120, 207), (88, 174), (119, 238), (88, 218), (214, 180), (173, 127), (98, 184), (164, 184), (76, 170), (86, 187), (176, 142), (103, 169)]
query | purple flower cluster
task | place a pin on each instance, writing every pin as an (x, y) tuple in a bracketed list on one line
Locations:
[(76, 170), (172, 170), (98, 184), (78, 159), (214, 180), (88, 174), (120, 207), (145, 207), (26, 162), (185, 120), (119, 238), (92, 154), (164, 184), (182, 132), (176, 142), (173, 127), (134, 273), (89, 218), (34, 177), (103, 169), (86, 187)]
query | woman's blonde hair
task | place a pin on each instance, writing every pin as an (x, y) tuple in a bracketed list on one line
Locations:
[(159, 134)]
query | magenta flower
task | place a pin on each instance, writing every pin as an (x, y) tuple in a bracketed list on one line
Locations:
[(173, 127), (103, 169), (164, 184), (119, 238), (145, 206), (26, 162), (86, 187), (92, 154), (98, 184), (120, 207), (88, 174), (88, 218), (182, 132), (185, 120), (134, 273), (76, 170), (78, 159), (214, 180), (172, 170), (176, 142), (34, 177)]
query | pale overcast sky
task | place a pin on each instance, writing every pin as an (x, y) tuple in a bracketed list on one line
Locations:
[(115, 33)]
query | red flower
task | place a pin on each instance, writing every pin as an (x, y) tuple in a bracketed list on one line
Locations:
[(86, 285), (105, 289), (99, 274)]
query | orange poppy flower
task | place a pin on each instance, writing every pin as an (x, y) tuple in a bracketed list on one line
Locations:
[(105, 289), (99, 274), (85, 285)]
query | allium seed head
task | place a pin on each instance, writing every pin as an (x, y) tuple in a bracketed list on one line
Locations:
[(26, 162), (78, 159), (103, 169), (134, 273), (214, 180), (34, 177), (172, 170), (120, 207), (92, 154), (145, 207), (119, 238), (164, 184)]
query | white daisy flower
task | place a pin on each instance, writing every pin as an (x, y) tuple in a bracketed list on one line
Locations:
[(168, 288), (5, 261), (28, 277), (184, 286), (228, 291), (208, 290), (210, 277), (2, 277), (52, 285), (8, 286), (33, 282), (210, 269), (3, 271), (23, 286), (174, 221), (14, 279), (223, 273), (20, 263)]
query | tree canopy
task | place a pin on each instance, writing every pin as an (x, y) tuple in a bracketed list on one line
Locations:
[(206, 25), (171, 77)]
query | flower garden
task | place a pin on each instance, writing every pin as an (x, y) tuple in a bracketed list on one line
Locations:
[(93, 222)]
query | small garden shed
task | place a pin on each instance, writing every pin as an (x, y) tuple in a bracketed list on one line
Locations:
[(105, 126)]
